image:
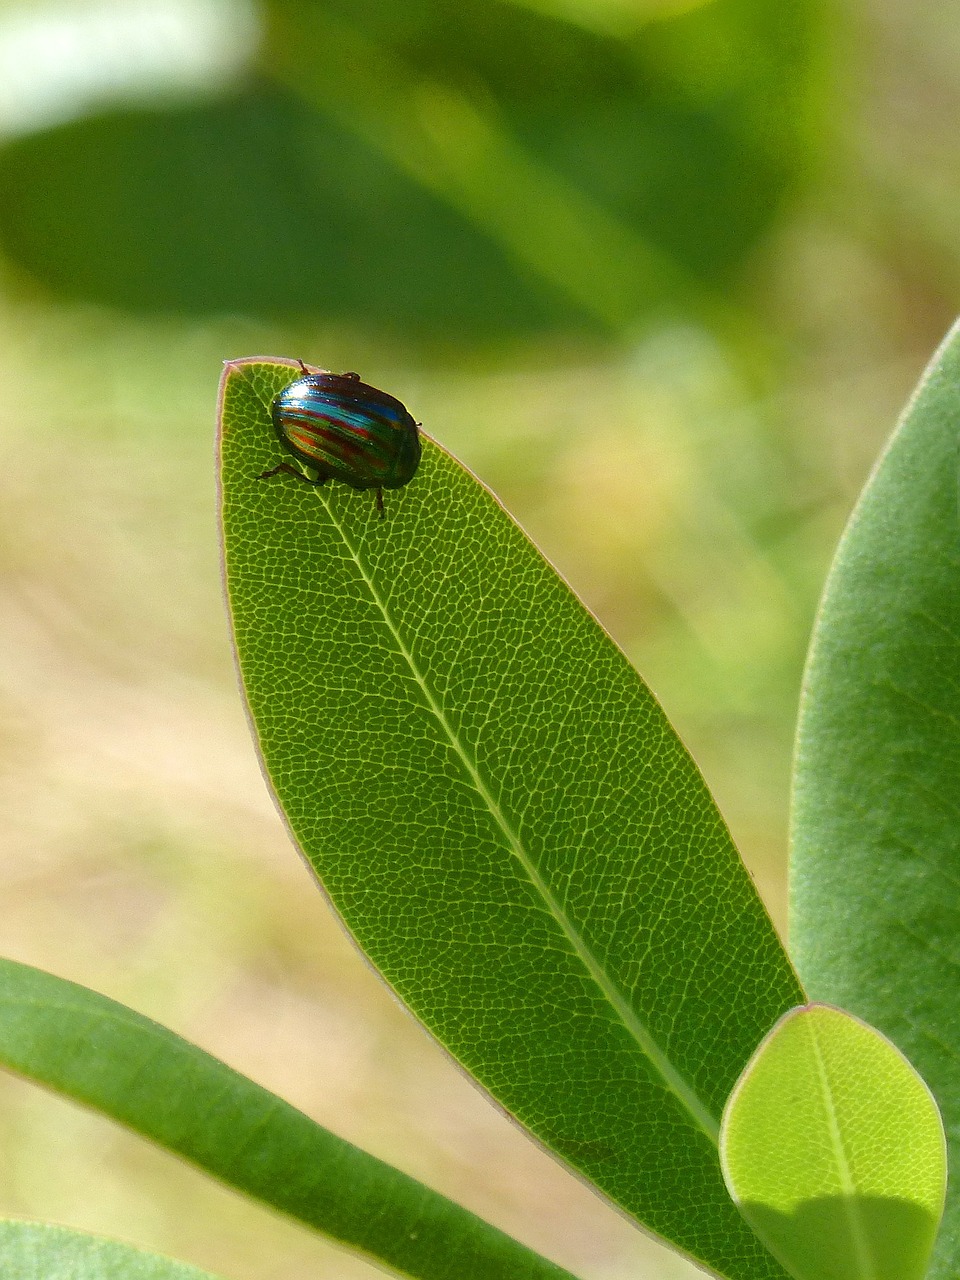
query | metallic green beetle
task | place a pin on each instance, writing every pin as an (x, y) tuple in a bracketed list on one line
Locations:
[(345, 430)]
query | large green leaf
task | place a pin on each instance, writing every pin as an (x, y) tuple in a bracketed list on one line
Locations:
[(834, 1150), (504, 818), (37, 1251), (876, 835), (110, 1058)]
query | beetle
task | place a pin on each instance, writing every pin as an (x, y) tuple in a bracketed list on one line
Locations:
[(344, 429)]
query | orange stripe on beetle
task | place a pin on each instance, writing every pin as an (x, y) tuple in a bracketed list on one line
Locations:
[(344, 429)]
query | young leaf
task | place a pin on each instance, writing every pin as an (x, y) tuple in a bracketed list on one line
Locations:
[(833, 1149), (876, 831), (504, 818), (110, 1058), (37, 1251)]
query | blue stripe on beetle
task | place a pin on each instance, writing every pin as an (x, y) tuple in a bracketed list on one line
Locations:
[(345, 430)]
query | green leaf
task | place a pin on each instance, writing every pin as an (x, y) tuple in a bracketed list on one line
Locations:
[(504, 819), (833, 1149), (118, 1062), (447, 168), (876, 835), (282, 224), (37, 1251)]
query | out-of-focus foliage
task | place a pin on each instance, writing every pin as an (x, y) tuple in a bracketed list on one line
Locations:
[(33, 1251), (474, 168)]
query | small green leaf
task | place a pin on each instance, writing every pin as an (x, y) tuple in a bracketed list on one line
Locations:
[(110, 1058), (833, 1149), (875, 864), (37, 1251), (504, 818)]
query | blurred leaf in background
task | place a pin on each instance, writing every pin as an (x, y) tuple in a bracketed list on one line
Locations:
[(474, 167)]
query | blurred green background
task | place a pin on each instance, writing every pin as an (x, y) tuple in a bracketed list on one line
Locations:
[(660, 271)]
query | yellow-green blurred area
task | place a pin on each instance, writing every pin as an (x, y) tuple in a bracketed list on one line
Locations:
[(660, 272)]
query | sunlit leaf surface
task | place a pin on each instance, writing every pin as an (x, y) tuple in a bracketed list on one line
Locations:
[(834, 1151), (504, 818)]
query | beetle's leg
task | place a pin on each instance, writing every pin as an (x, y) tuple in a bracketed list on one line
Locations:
[(287, 470), (306, 371), (380, 503)]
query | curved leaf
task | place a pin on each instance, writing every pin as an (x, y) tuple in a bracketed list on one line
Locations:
[(39, 1251), (107, 1056), (876, 836), (504, 818), (833, 1149)]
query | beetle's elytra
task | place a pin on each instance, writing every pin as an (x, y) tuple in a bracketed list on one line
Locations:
[(345, 430)]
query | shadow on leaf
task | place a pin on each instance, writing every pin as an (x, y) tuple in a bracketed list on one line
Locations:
[(848, 1237)]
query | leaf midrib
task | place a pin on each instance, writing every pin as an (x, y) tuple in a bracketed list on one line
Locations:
[(640, 1033), (848, 1187)]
